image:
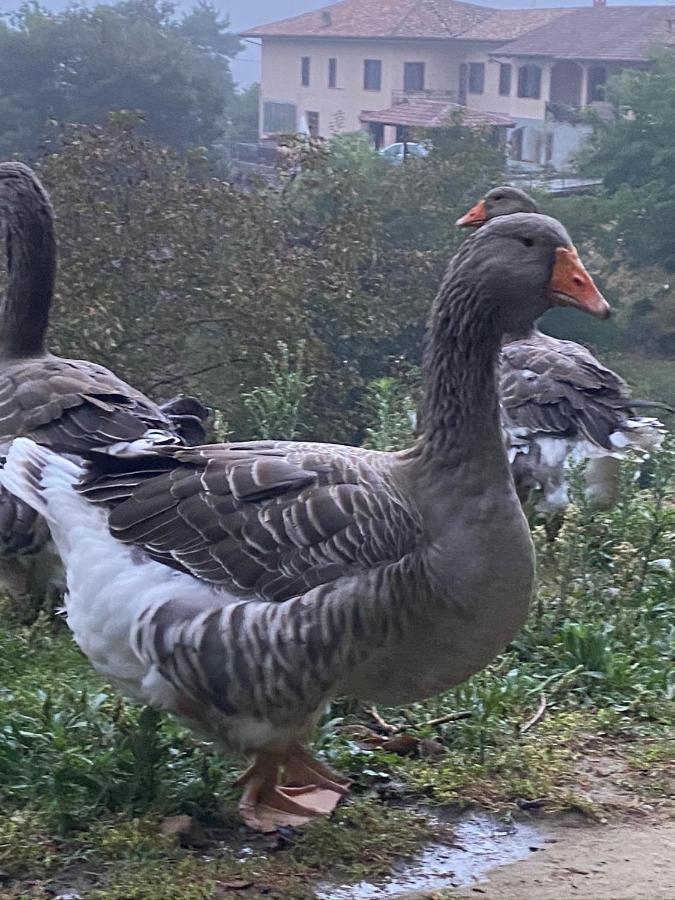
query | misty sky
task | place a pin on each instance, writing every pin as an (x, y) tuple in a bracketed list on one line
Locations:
[(246, 13)]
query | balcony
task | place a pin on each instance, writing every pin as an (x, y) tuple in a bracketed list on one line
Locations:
[(400, 96)]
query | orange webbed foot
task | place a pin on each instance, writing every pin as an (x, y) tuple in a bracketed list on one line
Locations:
[(312, 790)]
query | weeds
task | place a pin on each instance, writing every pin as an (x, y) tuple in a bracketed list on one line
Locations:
[(391, 410), (275, 410)]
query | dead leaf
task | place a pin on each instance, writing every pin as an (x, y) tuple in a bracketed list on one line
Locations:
[(402, 744)]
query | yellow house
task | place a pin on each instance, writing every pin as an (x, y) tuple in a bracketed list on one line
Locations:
[(331, 70)]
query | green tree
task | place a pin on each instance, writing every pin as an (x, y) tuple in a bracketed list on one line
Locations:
[(78, 65), (180, 282), (242, 114), (634, 152), (175, 283), (379, 237)]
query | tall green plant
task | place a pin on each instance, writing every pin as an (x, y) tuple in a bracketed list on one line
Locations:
[(390, 410), (276, 409)]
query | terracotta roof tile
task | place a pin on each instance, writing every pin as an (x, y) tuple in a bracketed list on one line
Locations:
[(624, 33), (380, 18), (507, 24), (614, 32), (422, 113)]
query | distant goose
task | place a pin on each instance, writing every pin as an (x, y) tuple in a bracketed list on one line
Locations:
[(69, 405), (560, 406), (242, 586)]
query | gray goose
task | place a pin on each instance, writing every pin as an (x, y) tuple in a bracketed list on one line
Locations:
[(242, 586), (69, 405), (560, 405)]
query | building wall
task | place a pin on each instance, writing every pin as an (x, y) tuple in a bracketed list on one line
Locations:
[(544, 141), (513, 105), (339, 108)]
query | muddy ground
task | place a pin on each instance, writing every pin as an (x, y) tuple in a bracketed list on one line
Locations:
[(633, 861)]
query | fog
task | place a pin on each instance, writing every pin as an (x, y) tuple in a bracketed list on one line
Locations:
[(245, 14)]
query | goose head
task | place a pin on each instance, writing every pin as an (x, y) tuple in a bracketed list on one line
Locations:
[(500, 201), (524, 264)]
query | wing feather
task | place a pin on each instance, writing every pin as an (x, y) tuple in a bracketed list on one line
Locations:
[(260, 520), (558, 388)]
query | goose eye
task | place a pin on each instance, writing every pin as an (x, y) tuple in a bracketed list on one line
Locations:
[(528, 242)]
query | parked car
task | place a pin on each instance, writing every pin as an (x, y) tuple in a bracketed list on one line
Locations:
[(397, 152)]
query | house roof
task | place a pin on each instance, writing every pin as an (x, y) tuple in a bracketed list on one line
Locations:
[(409, 19), (621, 33), (422, 113)]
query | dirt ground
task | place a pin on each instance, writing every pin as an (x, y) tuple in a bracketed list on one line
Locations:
[(629, 855), (634, 861)]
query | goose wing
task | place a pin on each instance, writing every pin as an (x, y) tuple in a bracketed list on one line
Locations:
[(267, 520), (73, 406), (558, 388)]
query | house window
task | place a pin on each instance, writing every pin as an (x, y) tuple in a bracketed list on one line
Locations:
[(413, 76), (279, 118), (304, 71), (504, 79), (529, 82), (332, 72), (372, 74), (476, 78), (597, 83)]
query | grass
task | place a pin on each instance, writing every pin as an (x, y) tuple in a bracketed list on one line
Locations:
[(87, 777)]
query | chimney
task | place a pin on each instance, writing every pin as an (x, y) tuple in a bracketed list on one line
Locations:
[(599, 2)]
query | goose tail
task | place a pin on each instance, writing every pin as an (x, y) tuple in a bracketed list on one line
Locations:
[(640, 434), (652, 404), (38, 476)]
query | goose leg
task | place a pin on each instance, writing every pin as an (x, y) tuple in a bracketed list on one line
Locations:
[(266, 805)]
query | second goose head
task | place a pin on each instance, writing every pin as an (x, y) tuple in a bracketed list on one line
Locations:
[(500, 201)]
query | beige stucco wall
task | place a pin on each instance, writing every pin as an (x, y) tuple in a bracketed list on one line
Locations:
[(491, 101), (339, 108)]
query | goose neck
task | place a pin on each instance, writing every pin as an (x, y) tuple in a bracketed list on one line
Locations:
[(31, 268), (461, 418)]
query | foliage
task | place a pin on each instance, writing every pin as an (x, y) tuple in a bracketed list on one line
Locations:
[(634, 153), (180, 282), (242, 115), (275, 409), (176, 283), (80, 64), (392, 412), (379, 237)]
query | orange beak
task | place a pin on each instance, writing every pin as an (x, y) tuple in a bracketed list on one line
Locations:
[(475, 217), (571, 285)]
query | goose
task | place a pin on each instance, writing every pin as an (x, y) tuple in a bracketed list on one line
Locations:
[(70, 405), (560, 405), (242, 586)]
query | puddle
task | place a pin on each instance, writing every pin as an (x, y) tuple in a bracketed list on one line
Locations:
[(480, 843)]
